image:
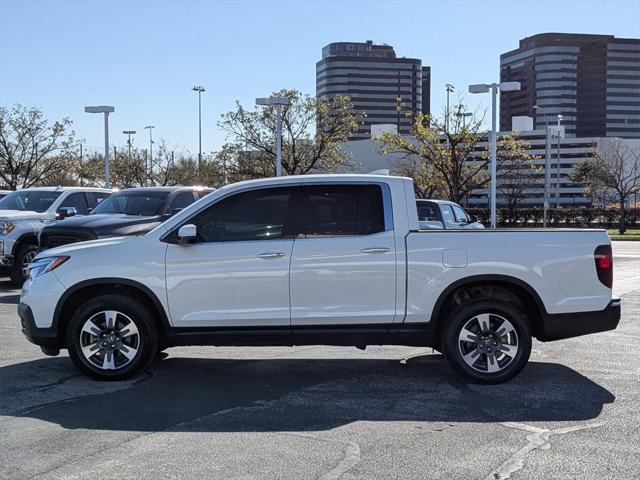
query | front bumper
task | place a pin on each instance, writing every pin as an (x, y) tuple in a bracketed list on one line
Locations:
[(567, 325), (46, 337), (6, 261)]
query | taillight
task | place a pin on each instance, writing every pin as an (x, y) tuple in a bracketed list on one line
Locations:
[(604, 264)]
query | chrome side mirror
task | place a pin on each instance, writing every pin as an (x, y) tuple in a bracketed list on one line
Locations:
[(65, 212), (188, 233)]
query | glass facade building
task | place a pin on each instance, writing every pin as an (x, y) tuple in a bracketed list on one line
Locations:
[(382, 87), (593, 81)]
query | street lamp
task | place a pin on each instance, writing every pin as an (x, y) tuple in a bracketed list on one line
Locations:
[(199, 89), (129, 133), (493, 87), (278, 102), (449, 88), (461, 113), (150, 166), (106, 109), (547, 161), (558, 166)]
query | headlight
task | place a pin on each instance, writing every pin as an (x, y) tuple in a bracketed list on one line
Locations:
[(44, 265), (6, 227)]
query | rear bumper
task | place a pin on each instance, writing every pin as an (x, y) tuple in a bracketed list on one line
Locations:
[(567, 325), (44, 337)]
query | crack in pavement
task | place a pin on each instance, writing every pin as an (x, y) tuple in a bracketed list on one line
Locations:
[(538, 439)]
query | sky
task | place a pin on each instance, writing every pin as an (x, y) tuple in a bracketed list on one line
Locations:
[(143, 57)]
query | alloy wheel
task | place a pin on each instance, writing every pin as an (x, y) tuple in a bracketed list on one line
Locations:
[(109, 340), (488, 343), (26, 260)]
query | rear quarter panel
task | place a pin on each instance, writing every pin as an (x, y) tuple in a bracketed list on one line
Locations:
[(557, 264)]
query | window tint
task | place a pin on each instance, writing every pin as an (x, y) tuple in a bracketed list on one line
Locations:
[(180, 201), (460, 214), (344, 210), (98, 197), (77, 201), (255, 215), (29, 200), (447, 214), (138, 202), (427, 212)]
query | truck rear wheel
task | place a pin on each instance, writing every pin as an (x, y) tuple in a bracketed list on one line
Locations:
[(24, 256), (112, 337), (487, 341)]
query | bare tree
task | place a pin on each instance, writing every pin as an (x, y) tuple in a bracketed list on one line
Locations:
[(616, 168), (312, 130), (31, 150)]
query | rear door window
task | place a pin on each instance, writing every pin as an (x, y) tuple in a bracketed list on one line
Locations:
[(78, 201), (338, 210)]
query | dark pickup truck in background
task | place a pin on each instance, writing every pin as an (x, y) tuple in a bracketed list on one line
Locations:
[(134, 211)]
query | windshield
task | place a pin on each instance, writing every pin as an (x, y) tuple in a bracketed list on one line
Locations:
[(144, 204), (29, 200)]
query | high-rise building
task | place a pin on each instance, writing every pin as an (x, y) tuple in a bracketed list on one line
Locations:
[(593, 81), (383, 87)]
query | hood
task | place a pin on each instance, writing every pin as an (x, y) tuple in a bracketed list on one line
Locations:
[(22, 215), (74, 247), (109, 224)]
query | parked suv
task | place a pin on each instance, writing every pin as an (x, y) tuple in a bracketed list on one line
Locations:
[(133, 211), (438, 214), (24, 213)]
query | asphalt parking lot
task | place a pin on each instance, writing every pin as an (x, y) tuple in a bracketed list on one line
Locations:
[(328, 413)]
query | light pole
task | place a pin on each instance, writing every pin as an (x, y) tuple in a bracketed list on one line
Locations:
[(462, 114), (199, 89), (493, 87), (129, 133), (150, 166), (449, 88), (279, 102), (547, 166), (106, 109), (558, 166)]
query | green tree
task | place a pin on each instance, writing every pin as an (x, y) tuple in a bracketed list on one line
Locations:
[(312, 130)]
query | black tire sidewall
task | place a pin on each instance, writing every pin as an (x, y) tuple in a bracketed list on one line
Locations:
[(462, 315), (137, 312), (17, 278)]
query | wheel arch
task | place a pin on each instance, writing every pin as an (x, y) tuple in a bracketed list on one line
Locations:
[(524, 292), (29, 237), (77, 293)]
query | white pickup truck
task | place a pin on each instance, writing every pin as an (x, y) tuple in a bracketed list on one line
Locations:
[(318, 259), (24, 213)]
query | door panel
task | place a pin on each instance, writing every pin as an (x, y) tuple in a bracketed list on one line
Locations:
[(224, 284), (237, 272), (334, 281), (343, 267)]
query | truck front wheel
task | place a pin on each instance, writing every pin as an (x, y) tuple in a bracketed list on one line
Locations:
[(112, 337), (487, 341), (24, 256)]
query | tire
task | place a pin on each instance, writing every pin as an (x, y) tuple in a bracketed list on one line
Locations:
[(481, 347), (23, 257), (112, 337)]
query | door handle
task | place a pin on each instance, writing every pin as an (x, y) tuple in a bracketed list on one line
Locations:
[(375, 250), (270, 254)]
